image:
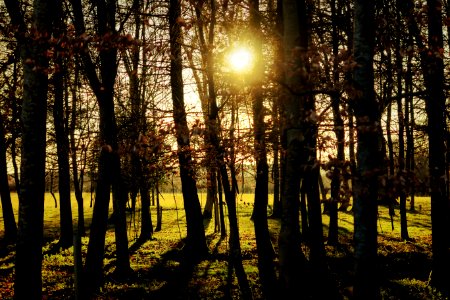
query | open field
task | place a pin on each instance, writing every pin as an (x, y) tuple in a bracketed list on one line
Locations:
[(404, 266)]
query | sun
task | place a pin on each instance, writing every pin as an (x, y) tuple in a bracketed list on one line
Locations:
[(240, 60)]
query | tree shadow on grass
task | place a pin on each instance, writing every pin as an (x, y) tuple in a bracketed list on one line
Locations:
[(167, 279)]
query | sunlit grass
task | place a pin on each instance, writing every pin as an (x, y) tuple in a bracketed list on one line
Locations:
[(406, 263)]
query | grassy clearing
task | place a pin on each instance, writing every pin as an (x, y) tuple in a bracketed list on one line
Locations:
[(404, 265)]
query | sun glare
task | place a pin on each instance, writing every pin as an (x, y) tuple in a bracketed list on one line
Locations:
[(240, 59)]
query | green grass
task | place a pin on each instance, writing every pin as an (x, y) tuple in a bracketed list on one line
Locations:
[(405, 266)]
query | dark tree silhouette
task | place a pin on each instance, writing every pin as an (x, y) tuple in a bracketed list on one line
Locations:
[(7, 210), (195, 241), (33, 53), (365, 190)]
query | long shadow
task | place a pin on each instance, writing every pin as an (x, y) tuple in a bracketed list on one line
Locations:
[(173, 271), (406, 265)]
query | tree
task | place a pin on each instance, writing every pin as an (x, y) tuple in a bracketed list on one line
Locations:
[(62, 137), (33, 53), (365, 190), (109, 169), (433, 73), (295, 39), (264, 245), (195, 241), (7, 209)]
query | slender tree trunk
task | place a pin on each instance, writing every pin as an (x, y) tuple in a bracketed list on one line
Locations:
[(7, 210), (401, 175), (146, 218), (264, 246), (76, 181), (158, 209), (223, 231), (109, 174), (340, 137), (409, 121), (62, 142), (196, 241), (211, 193), (276, 112)]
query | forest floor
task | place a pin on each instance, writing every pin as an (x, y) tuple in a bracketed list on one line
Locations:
[(158, 266)]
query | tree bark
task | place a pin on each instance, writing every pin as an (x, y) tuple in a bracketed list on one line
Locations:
[(109, 170), (265, 250), (62, 141), (365, 190), (195, 240), (435, 106), (28, 281), (7, 210), (292, 260)]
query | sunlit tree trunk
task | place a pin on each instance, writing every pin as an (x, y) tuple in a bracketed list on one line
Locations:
[(365, 190), (33, 48)]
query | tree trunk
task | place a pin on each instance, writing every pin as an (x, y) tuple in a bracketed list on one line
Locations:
[(264, 246), (7, 210), (292, 260), (339, 131), (401, 175), (28, 265), (435, 107), (409, 121), (76, 181), (195, 240), (146, 218), (109, 174), (365, 190), (211, 192), (62, 144), (223, 231), (433, 74)]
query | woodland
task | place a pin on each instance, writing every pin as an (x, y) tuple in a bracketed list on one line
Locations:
[(204, 149)]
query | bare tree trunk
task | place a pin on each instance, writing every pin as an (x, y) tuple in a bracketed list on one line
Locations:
[(365, 190), (76, 181), (33, 47), (62, 141), (433, 75), (435, 106), (109, 170), (292, 260), (264, 246), (8, 214), (196, 241), (401, 175)]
